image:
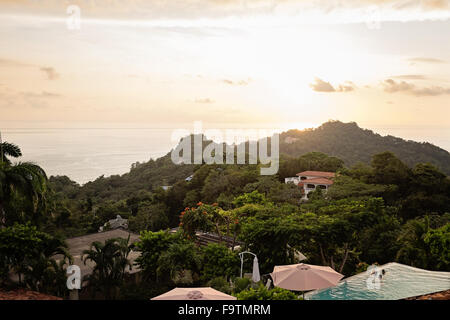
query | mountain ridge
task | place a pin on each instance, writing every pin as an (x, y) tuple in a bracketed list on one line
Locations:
[(353, 144)]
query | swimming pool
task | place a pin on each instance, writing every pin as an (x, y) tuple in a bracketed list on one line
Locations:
[(399, 282)]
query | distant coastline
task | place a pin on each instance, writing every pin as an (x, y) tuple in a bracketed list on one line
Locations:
[(88, 153)]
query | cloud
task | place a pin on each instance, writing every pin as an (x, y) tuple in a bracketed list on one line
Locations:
[(425, 60), (42, 94), (392, 86), (323, 10), (322, 86), (236, 83), (50, 73), (12, 63), (410, 77), (204, 100)]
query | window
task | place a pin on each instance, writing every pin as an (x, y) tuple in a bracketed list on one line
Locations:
[(321, 186), (302, 178), (310, 186)]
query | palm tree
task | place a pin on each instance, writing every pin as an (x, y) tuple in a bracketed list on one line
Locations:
[(111, 261), (9, 150), (24, 179), (180, 262)]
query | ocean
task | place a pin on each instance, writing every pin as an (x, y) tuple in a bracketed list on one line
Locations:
[(84, 154)]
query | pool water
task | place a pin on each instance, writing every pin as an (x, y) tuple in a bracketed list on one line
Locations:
[(399, 282)]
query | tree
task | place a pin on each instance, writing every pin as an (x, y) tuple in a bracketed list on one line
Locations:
[(9, 150), (219, 261), (413, 249), (150, 217), (388, 169), (198, 219), (181, 263), (30, 253), (151, 245), (268, 233), (111, 261), (22, 180), (438, 241)]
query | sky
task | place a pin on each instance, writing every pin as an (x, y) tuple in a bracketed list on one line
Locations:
[(227, 63)]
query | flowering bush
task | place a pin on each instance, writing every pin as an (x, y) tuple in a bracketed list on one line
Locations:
[(196, 219)]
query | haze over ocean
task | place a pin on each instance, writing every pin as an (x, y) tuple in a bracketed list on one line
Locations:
[(83, 154)]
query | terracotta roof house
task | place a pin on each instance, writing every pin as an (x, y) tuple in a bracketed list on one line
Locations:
[(443, 295), (316, 174), (311, 180), (21, 294)]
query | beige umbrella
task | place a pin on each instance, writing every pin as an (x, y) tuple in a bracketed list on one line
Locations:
[(194, 294), (304, 277)]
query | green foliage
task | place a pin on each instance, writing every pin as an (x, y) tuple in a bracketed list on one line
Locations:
[(149, 217), (424, 242), (241, 284), (352, 144), (9, 150), (315, 161), (29, 253), (438, 242), (250, 198), (23, 188), (111, 261), (181, 262), (197, 219), (219, 261), (261, 293), (268, 233), (221, 284), (151, 245), (346, 187)]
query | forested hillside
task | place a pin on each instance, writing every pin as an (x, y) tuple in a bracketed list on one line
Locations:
[(353, 144)]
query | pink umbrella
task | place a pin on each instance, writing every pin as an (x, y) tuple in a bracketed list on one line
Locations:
[(304, 277), (194, 294)]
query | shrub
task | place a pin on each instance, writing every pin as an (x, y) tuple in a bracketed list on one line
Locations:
[(262, 293), (221, 284), (219, 261), (151, 246), (241, 284)]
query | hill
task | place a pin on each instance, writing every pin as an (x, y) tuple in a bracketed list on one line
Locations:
[(345, 141), (353, 144)]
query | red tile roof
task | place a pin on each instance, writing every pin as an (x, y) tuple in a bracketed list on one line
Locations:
[(443, 295), (21, 294), (323, 174), (316, 181)]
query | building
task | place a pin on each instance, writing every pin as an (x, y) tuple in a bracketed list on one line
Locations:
[(311, 180), (117, 223), (78, 244)]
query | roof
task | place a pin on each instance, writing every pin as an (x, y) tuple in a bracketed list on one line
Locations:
[(317, 181), (21, 294), (317, 174), (78, 244), (443, 295)]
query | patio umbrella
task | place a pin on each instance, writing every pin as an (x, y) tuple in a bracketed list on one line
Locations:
[(255, 275), (304, 277), (194, 294)]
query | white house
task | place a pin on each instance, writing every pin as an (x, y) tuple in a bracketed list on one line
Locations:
[(310, 180)]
